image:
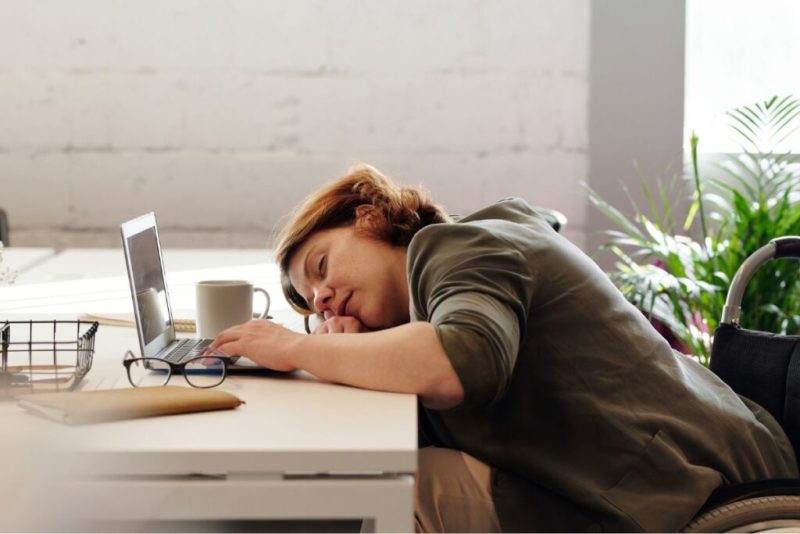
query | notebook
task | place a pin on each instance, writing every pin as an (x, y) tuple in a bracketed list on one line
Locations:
[(127, 320), (75, 408)]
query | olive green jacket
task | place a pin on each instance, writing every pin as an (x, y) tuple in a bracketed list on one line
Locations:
[(568, 387)]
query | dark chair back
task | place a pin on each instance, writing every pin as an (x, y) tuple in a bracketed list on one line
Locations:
[(4, 228), (761, 366), (765, 368), (556, 219)]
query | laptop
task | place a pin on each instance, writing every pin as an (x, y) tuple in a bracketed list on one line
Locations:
[(151, 307)]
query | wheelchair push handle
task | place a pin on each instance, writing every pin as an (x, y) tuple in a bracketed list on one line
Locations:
[(787, 247), (780, 247)]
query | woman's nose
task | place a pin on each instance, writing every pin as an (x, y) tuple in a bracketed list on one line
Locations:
[(323, 300)]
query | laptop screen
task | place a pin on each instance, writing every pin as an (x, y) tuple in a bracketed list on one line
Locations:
[(147, 279)]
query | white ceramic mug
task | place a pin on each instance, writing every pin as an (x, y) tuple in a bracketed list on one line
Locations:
[(225, 303)]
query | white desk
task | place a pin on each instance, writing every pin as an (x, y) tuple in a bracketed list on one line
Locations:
[(298, 448), (82, 264), (23, 259), (95, 280)]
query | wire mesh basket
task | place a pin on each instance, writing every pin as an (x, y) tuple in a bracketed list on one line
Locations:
[(40, 356)]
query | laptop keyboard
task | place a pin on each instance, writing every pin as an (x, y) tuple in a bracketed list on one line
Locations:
[(187, 348)]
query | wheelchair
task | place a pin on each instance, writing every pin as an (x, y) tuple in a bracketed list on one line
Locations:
[(764, 368)]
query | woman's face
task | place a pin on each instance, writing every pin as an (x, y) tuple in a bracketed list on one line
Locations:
[(341, 272)]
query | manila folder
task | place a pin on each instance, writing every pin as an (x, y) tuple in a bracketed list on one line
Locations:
[(100, 405)]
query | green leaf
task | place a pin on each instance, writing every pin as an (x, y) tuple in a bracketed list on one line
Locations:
[(693, 207), (756, 198), (615, 215)]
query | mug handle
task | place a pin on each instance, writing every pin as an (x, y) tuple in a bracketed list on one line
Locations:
[(266, 310)]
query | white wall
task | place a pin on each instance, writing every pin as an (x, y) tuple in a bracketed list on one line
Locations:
[(635, 106), (222, 115)]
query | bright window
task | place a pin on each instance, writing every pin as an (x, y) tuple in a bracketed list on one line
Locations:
[(738, 52)]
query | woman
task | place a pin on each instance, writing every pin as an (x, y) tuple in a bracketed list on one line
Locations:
[(549, 401)]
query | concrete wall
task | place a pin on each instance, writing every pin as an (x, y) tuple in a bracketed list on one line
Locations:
[(636, 105), (220, 116)]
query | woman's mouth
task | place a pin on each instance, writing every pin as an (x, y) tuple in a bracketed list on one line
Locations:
[(342, 311)]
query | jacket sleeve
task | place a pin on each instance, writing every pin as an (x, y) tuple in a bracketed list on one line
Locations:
[(475, 289)]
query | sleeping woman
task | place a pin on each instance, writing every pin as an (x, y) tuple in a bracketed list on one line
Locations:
[(547, 401)]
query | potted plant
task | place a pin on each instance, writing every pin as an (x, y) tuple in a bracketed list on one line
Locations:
[(679, 274)]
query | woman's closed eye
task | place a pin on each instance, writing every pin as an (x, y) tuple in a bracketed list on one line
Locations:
[(321, 266)]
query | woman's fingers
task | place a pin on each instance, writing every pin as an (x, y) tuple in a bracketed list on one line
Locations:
[(351, 325), (340, 325), (262, 341), (231, 334), (231, 348), (226, 336), (321, 328)]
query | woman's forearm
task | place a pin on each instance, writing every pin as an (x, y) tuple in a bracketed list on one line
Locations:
[(404, 359)]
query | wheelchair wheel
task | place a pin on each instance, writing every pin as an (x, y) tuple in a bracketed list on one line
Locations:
[(779, 513)]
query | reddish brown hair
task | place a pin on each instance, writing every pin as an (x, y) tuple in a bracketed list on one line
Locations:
[(398, 213)]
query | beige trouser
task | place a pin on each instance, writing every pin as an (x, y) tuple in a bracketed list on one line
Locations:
[(453, 493)]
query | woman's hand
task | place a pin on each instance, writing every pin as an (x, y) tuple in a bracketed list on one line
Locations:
[(263, 341), (341, 325)]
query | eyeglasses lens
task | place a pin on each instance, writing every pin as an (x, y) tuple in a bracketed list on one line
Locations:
[(144, 372), (205, 372)]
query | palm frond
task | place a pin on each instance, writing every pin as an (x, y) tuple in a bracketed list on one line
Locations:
[(681, 280), (615, 215)]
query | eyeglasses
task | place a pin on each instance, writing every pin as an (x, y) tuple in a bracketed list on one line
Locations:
[(312, 321), (207, 370)]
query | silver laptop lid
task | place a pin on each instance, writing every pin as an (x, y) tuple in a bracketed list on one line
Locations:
[(148, 284)]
